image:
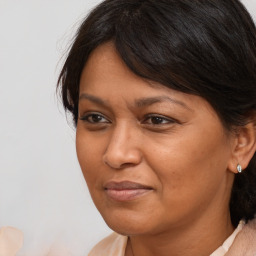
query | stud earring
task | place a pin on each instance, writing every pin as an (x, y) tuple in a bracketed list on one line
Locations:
[(239, 168)]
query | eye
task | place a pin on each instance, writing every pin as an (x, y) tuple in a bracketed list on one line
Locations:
[(94, 118), (158, 120)]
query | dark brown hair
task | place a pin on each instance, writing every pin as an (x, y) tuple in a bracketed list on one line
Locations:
[(200, 47)]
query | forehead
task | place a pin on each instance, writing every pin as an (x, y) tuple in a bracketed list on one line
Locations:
[(106, 76), (105, 70), (104, 63)]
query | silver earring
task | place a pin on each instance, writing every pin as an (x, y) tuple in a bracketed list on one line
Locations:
[(239, 168)]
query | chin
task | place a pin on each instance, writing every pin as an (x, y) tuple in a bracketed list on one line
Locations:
[(129, 223), (128, 229)]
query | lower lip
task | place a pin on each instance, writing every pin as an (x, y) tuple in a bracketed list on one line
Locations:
[(126, 194)]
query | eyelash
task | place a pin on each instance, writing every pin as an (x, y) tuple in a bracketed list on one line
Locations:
[(156, 117), (87, 117), (160, 118)]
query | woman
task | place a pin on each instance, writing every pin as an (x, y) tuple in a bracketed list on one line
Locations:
[(163, 97)]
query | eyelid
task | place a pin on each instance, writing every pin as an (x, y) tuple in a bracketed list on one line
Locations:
[(86, 115), (168, 119)]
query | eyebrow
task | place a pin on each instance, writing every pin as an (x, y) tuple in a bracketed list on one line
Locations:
[(93, 99), (142, 102)]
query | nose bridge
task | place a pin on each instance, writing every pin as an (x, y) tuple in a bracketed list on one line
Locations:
[(123, 147), (121, 134)]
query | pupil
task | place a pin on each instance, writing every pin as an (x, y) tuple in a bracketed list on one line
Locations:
[(96, 118), (157, 120)]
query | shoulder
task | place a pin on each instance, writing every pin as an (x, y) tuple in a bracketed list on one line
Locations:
[(112, 245), (245, 241)]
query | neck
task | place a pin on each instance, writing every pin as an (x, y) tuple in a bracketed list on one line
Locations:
[(195, 240)]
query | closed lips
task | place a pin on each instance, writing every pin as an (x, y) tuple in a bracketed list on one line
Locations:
[(126, 190), (125, 185)]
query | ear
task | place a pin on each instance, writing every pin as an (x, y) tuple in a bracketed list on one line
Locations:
[(244, 146)]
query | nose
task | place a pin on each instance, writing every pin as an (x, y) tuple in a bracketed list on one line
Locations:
[(123, 149)]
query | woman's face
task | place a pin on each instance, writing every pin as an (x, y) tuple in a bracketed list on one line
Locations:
[(154, 158)]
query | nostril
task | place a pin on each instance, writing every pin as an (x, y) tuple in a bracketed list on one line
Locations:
[(119, 160), (112, 164), (117, 166)]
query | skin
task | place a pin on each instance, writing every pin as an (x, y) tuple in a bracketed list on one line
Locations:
[(129, 131)]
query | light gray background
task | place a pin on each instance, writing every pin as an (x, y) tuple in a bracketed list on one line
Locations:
[(42, 191)]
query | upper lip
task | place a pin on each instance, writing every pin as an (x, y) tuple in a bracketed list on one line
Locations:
[(125, 185)]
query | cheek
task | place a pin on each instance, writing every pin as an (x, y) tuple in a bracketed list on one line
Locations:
[(88, 155), (190, 166)]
